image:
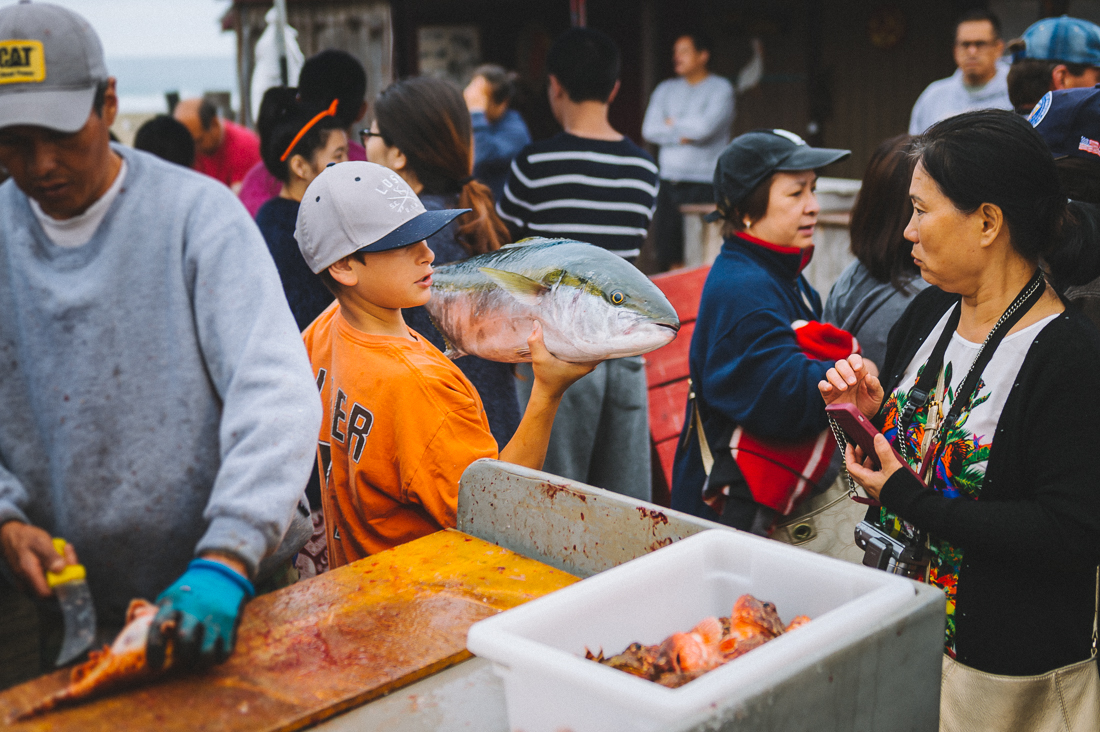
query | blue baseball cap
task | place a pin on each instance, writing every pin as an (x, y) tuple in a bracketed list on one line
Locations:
[(1069, 122), (1065, 39)]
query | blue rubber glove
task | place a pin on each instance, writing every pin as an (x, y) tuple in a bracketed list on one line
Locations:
[(203, 609)]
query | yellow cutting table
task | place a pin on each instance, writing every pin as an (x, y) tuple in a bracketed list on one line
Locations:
[(324, 645)]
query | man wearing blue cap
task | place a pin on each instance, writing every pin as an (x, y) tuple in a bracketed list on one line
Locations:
[(159, 409), (978, 83), (1068, 120), (1053, 54)]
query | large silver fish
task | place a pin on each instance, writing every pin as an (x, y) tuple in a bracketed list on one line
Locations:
[(592, 304)]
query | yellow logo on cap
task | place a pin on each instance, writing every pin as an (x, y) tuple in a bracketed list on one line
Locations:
[(21, 62)]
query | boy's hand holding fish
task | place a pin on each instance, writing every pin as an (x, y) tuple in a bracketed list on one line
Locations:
[(552, 377)]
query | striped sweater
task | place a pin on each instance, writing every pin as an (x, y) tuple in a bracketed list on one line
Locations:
[(596, 191)]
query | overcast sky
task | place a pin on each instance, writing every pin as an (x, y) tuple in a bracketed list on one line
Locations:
[(156, 28)]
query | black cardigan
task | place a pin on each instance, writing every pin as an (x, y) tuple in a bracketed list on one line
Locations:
[(1025, 598)]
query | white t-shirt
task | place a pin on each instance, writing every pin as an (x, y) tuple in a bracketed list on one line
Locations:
[(976, 424), (960, 468), (79, 230)]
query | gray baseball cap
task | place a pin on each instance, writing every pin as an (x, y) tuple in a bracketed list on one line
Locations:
[(362, 207), (51, 61)]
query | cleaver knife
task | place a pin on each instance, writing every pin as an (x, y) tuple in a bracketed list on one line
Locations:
[(71, 588)]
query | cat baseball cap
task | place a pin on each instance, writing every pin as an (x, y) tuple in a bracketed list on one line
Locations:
[(362, 207), (51, 61)]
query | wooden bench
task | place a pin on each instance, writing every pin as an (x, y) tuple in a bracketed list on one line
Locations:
[(667, 374)]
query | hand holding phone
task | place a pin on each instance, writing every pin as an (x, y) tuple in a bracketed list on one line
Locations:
[(860, 431)]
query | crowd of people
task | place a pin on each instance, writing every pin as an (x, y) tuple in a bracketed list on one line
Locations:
[(208, 399)]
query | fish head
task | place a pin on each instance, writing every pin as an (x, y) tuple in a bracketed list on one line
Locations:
[(614, 310)]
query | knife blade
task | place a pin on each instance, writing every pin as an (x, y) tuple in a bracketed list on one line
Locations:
[(71, 588)]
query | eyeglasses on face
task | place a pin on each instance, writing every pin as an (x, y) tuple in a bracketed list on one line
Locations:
[(365, 135)]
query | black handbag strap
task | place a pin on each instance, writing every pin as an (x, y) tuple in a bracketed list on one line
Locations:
[(919, 395)]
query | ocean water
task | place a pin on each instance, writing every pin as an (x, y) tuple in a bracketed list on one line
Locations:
[(143, 82)]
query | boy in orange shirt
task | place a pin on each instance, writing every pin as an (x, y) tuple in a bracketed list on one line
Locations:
[(401, 421)]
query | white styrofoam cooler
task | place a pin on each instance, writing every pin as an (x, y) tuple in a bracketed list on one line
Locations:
[(538, 648)]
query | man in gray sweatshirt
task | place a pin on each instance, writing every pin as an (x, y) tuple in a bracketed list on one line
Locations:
[(159, 411), (690, 118)]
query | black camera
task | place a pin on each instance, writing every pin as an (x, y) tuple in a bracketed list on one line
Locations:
[(882, 551)]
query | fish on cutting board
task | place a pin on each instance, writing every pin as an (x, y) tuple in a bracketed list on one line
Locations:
[(592, 304), (119, 665)]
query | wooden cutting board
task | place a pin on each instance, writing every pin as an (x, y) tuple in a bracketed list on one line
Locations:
[(324, 645)]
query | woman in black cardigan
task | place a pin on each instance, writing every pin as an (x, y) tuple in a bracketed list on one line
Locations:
[(1010, 505)]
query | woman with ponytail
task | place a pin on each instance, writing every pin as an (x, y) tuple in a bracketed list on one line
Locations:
[(990, 393), (421, 130), (297, 141)]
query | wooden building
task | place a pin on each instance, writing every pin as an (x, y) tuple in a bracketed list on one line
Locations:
[(842, 73)]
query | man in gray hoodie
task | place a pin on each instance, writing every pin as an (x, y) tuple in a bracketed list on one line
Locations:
[(159, 411)]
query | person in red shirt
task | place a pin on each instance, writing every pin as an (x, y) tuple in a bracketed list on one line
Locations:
[(223, 150)]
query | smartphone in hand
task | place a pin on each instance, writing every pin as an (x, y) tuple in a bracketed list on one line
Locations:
[(860, 431)]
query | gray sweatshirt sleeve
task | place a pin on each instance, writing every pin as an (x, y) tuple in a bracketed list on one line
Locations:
[(271, 411), (13, 497), (714, 119), (654, 128)]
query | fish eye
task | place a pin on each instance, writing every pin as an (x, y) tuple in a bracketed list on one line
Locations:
[(617, 297)]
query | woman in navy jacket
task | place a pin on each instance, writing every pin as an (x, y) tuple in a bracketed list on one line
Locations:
[(747, 365)]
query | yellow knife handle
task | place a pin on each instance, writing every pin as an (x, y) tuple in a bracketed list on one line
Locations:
[(70, 573)]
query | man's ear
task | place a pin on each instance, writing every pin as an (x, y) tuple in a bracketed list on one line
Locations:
[(1058, 77), (342, 272), (110, 103), (614, 92), (556, 89)]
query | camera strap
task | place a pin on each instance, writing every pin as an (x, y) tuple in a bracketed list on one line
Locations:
[(923, 390)]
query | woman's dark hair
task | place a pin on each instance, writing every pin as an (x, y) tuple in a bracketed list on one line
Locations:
[(281, 118), (502, 82), (752, 207), (882, 212), (427, 120), (994, 156), (334, 74)]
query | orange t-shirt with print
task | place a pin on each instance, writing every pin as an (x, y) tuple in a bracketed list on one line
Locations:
[(401, 424)]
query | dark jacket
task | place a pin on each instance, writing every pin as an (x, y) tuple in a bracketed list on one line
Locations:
[(1025, 598), (745, 361)]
